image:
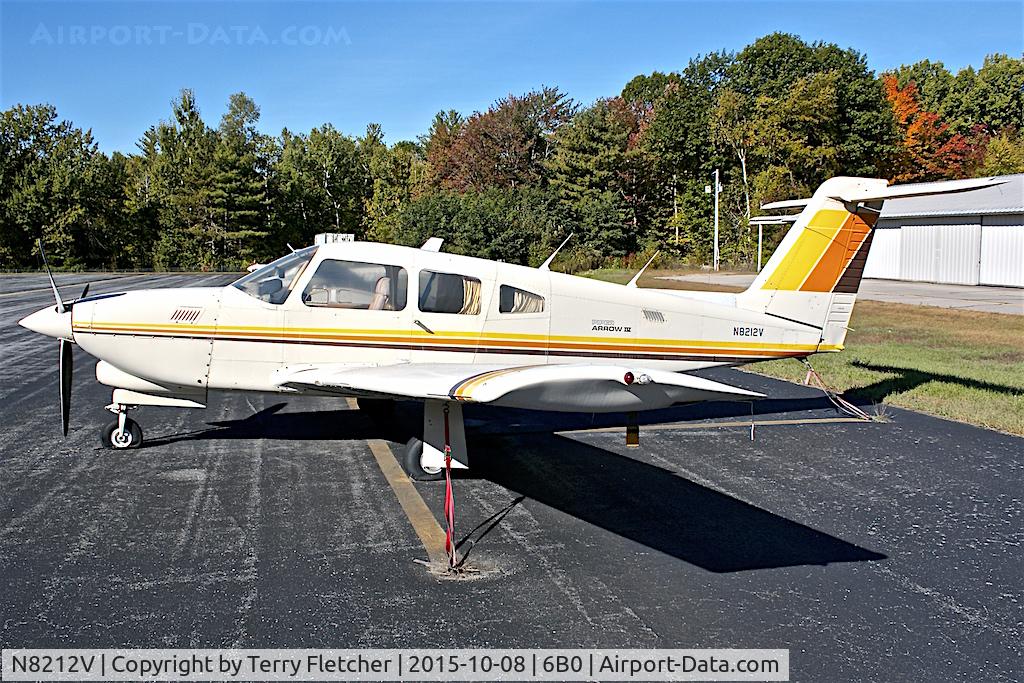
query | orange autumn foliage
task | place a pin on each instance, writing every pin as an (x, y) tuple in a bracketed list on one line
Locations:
[(928, 150)]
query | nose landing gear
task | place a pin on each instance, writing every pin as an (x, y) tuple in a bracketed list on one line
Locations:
[(123, 432)]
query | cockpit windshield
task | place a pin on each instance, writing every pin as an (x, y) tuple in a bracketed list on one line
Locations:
[(273, 282)]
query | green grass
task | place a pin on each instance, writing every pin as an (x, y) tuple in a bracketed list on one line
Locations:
[(649, 279), (960, 365)]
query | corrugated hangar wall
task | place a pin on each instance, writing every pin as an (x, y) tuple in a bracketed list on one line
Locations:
[(1002, 250), (963, 250)]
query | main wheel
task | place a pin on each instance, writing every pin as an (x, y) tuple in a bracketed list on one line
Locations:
[(412, 463), (110, 437)]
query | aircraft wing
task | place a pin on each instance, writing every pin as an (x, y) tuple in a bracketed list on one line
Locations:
[(564, 388)]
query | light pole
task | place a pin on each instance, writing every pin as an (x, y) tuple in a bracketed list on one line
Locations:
[(675, 209), (718, 188)]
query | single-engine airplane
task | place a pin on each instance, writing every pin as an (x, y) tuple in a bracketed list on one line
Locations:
[(381, 322)]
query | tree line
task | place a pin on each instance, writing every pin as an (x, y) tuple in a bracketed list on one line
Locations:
[(623, 174)]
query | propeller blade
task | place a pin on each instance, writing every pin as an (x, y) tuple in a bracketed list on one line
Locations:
[(56, 295), (67, 366)]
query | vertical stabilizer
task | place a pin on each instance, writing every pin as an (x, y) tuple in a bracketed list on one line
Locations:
[(813, 276)]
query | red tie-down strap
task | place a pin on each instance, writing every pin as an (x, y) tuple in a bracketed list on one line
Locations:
[(449, 496)]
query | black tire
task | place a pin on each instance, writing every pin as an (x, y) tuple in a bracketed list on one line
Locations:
[(133, 433), (412, 463), (377, 409)]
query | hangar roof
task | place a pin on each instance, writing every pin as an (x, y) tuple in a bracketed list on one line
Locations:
[(1001, 199)]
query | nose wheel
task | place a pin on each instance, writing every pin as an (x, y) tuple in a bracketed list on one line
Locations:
[(123, 432)]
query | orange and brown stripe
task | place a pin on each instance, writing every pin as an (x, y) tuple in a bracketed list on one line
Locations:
[(827, 256)]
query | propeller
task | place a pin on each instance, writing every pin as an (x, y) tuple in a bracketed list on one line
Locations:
[(66, 353), (67, 367), (61, 308)]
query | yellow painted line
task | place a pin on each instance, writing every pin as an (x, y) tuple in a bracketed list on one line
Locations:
[(730, 423), (423, 521)]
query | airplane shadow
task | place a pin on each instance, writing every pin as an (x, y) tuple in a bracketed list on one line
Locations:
[(318, 425), (632, 499), (530, 420), (271, 423), (655, 507), (907, 379)]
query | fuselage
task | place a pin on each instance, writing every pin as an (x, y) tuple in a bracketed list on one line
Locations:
[(365, 303)]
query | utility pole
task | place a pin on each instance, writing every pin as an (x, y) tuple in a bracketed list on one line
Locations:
[(718, 188), (675, 209)]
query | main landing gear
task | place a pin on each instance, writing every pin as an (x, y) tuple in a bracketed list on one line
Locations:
[(123, 432), (424, 459), (418, 467)]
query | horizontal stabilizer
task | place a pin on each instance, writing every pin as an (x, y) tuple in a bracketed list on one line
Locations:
[(787, 204), (919, 190), (774, 220)]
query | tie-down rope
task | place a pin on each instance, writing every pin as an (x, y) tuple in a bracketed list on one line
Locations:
[(449, 498), (841, 404)]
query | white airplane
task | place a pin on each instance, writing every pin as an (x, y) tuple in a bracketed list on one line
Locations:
[(380, 322)]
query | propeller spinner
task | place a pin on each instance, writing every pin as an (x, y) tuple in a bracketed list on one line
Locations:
[(56, 322)]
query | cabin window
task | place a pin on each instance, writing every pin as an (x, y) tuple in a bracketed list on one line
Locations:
[(515, 300), (273, 282), (357, 285), (449, 293)]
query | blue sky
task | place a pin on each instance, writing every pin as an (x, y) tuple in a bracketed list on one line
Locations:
[(116, 66)]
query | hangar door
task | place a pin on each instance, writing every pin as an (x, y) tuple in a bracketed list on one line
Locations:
[(884, 258), (1002, 251), (949, 253)]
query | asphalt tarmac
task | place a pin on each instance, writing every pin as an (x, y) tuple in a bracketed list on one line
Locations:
[(873, 551)]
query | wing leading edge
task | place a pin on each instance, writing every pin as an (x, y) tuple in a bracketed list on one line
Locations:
[(561, 388)]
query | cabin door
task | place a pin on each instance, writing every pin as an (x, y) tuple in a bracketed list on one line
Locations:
[(350, 313), (450, 300)]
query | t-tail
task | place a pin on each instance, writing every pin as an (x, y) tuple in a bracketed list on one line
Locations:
[(813, 277)]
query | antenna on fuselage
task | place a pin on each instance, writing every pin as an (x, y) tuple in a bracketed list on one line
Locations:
[(433, 244), (636, 278), (547, 263)]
